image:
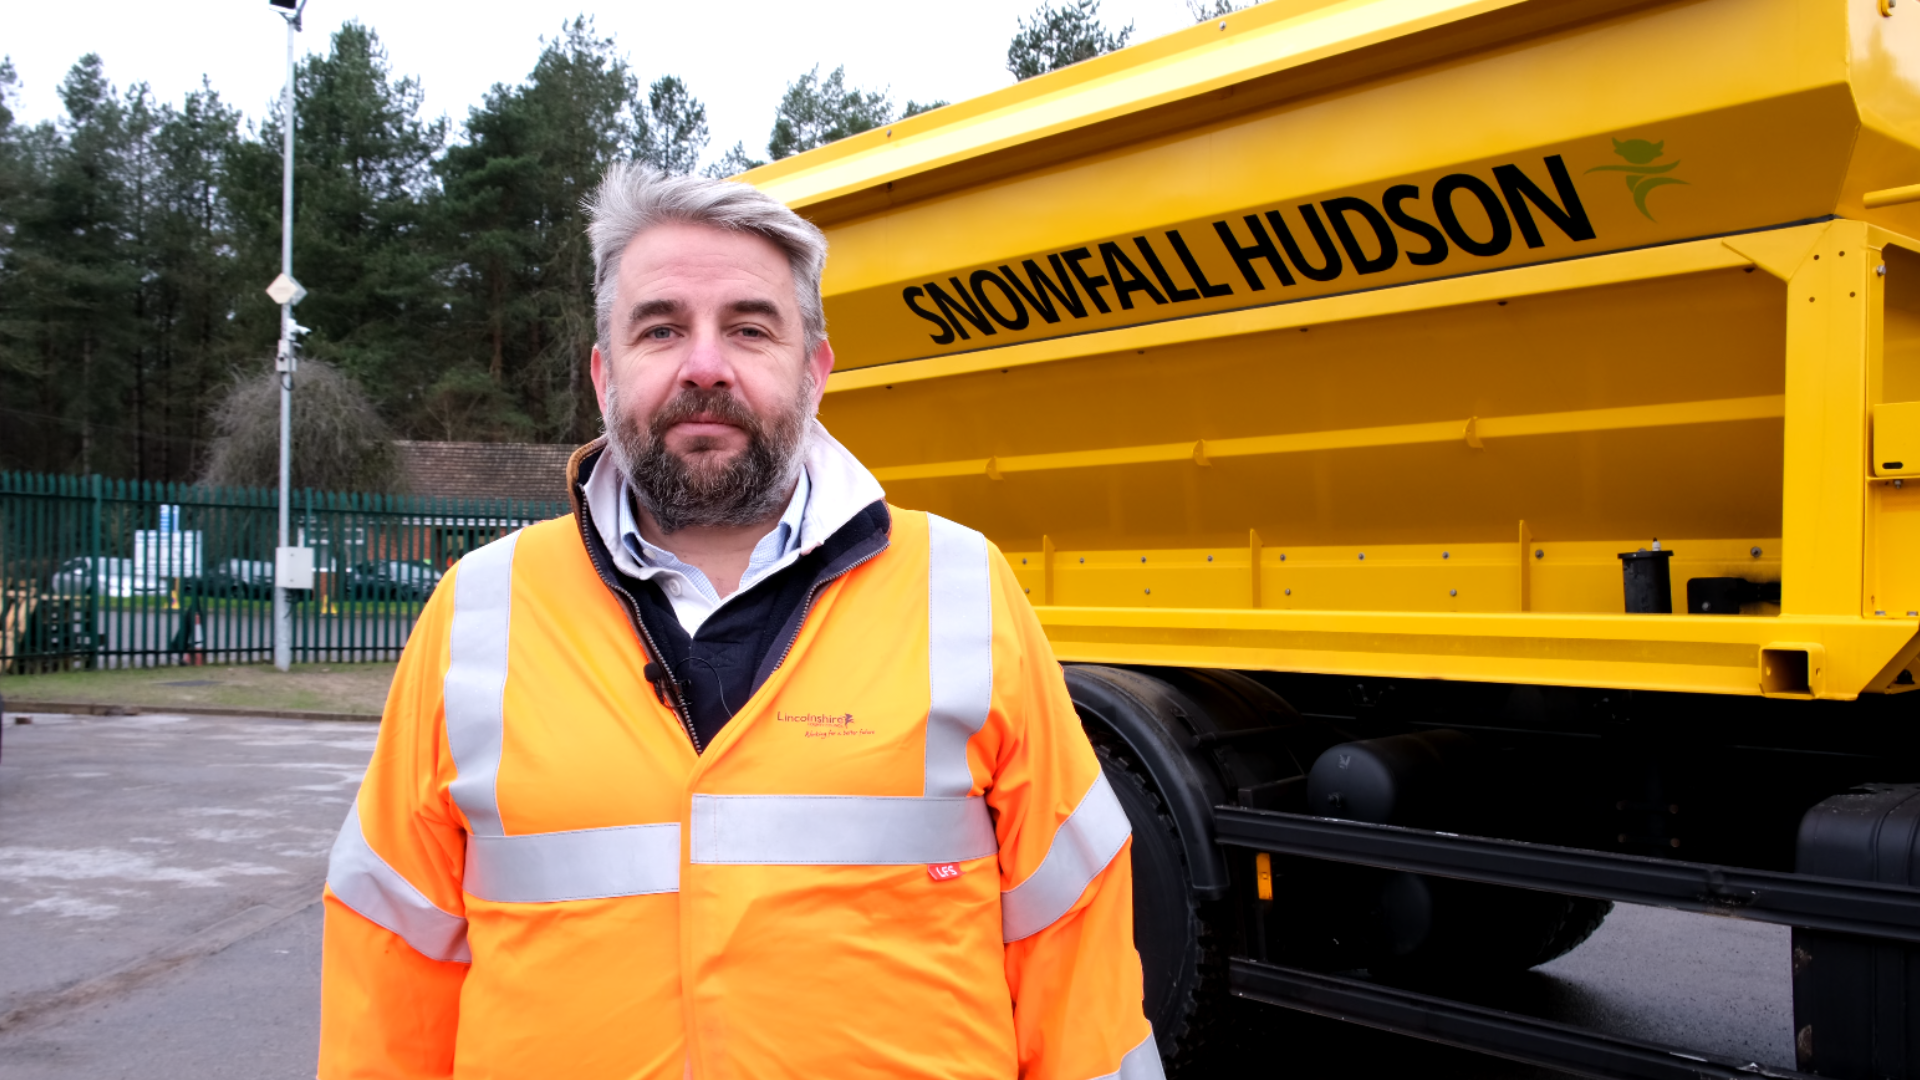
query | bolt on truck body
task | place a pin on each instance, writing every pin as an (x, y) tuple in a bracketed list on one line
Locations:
[(1328, 372)]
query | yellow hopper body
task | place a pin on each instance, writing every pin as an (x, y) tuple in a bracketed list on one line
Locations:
[(1363, 337)]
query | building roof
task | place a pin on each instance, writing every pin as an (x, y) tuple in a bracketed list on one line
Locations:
[(475, 470)]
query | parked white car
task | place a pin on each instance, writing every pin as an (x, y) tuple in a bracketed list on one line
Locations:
[(101, 574)]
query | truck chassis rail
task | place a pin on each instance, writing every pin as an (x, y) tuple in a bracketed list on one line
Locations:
[(1866, 909), (1858, 908), (1488, 1031)]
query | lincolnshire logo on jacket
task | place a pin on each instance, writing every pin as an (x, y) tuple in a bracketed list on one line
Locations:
[(822, 725), (1463, 217)]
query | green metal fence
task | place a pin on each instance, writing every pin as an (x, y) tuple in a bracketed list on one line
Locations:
[(114, 573)]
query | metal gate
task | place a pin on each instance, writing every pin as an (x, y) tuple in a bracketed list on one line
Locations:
[(98, 573)]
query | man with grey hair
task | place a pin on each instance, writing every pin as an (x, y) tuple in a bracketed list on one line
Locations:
[(736, 771)]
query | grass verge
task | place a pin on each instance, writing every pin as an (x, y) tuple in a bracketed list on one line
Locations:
[(334, 688)]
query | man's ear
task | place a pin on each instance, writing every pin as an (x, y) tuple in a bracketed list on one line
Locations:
[(820, 364), (598, 367)]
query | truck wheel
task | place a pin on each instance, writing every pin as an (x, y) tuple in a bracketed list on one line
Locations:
[(1584, 916), (1184, 968), (1458, 931)]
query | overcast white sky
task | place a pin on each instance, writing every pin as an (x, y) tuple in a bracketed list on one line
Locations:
[(736, 57)]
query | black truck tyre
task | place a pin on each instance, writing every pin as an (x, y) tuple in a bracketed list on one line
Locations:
[(1436, 928), (1174, 744), (1182, 963), (1584, 916), (1477, 932)]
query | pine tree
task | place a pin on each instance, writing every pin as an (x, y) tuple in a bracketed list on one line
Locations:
[(69, 273), (116, 279), (198, 282), (1208, 10), (817, 111), (675, 133), (451, 284), (23, 429), (517, 237), (732, 163), (362, 186), (1057, 37)]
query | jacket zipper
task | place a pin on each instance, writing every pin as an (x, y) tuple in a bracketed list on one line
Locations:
[(653, 649), (806, 606)]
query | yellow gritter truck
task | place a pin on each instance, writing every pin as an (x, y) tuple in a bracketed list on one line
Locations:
[(1461, 450)]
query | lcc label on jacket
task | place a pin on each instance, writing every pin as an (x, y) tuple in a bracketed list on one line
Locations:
[(823, 725)]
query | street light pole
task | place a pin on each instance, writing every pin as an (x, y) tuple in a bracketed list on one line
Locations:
[(283, 361)]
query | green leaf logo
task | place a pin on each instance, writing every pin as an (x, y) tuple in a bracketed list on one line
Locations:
[(1642, 174)]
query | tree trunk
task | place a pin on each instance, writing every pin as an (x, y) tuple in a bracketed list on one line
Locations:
[(498, 366), (86, 398)]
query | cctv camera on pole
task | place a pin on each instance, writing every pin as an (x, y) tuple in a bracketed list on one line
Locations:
[(293, 566)]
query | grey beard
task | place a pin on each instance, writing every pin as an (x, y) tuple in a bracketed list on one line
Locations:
[(754, 486)]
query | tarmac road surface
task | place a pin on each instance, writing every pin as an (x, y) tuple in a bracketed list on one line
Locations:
[(159, 888), (159, 917)]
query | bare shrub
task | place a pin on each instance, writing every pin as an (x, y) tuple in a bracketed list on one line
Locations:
[(340, 443)]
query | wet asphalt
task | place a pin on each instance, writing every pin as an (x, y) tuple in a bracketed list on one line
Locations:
[(159, 888), (159, 917)]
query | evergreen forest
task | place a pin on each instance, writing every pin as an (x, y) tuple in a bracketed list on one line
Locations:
[(447, 268)]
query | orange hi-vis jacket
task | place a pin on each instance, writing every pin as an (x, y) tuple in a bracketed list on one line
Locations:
[(899, 859)]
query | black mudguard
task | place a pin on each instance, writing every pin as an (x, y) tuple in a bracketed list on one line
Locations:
[(1152, 719)]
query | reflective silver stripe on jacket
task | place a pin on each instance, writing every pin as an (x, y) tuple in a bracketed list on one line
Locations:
[(477, 679), (532, 868), (959, 652), (542, 868), (947, 823), (1082, 847), (363, 881), (841, 830), (1140, 1063)]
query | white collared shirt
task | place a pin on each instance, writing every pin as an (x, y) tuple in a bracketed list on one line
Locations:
[(837, 487), (693, 597)]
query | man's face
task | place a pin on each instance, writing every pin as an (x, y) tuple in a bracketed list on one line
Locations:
[(708, 392)]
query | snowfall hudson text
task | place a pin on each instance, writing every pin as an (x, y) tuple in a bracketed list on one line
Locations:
[(1350, 233)]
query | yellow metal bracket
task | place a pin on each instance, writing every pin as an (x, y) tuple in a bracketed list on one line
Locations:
[(1616, 418), (1526, 567), (1885, 681), (1793, 669), (1681, 653), (1781, 251), (1253, 550), (1046, 569), (1874, 200)]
